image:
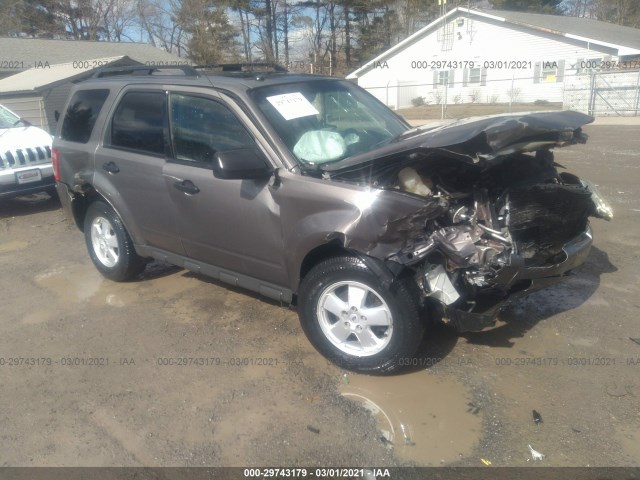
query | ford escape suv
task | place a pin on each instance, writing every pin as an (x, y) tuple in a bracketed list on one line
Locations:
[(308, 190)]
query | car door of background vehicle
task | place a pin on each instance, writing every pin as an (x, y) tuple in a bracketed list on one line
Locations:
[(232, 224), (131, 163)]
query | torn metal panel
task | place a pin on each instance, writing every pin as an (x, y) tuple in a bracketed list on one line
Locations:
[(462, 207), (480, 140)]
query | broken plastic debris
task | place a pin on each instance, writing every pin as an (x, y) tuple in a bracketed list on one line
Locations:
[(345, 379), (603, 209), (537, 418), (486, 462), (535, 455)]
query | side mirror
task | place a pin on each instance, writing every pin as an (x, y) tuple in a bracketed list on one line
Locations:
[(241, 164)]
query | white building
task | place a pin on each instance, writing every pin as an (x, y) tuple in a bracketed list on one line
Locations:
[(492, 56)]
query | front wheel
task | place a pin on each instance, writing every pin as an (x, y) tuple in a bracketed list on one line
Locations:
[(110, 246), (354, 321)]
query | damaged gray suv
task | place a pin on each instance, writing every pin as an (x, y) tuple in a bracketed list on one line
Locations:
[(310, 191)]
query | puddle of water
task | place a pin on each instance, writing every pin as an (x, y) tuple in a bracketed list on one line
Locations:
[(13, 246), (173, 284), (118, 299), (629, 439), (38, 316), (73, 284), (80, 283), (424, 418)]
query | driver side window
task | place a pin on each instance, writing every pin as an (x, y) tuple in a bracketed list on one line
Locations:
[(200, 127)]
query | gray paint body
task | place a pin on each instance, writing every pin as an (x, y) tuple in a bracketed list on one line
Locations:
[(251, 233)]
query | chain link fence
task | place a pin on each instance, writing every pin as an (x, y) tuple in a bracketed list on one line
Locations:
[(442, 95)]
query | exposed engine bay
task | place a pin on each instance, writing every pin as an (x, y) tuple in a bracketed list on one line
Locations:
[(497, 227)]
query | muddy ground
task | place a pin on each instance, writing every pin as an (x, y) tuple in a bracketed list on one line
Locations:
[(86, 378)]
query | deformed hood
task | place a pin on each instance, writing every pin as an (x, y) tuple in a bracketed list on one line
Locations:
[(480, 140)]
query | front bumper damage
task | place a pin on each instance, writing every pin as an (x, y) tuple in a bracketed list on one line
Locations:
[(498, 219), (517, 281)]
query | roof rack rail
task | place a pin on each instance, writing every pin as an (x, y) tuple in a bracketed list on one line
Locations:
[(187, 70), (244, 67)]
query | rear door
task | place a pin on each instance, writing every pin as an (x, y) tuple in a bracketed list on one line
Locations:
[(130, 164), (233, 224)]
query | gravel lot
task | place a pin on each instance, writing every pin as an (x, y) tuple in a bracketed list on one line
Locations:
[(178, 370)]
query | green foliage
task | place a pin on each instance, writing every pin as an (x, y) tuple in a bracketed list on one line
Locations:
[(532, 6), (212, 39)]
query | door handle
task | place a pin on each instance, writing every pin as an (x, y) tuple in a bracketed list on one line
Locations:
[(110, 167), (187, 187)]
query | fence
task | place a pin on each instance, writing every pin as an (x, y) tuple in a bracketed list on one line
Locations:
[(604, 93), (613, 93)]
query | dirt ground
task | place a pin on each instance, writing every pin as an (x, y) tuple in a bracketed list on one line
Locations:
[(177, 370)]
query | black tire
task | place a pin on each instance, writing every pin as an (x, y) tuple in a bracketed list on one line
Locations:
[(126, 264), (52, 192), (334, 278)]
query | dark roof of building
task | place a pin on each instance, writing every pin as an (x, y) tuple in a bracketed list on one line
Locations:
[(584, 27), (29, 52)]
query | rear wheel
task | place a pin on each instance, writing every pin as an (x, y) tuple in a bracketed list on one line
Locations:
[(352, 319), (110, 246)]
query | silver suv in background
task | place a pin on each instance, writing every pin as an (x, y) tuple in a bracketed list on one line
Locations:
[(310, 191), (25, 157)]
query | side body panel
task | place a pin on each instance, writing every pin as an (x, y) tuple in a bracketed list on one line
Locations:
[(373, 222)]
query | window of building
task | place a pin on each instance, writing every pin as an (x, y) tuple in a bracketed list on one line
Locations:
[(475, 75), (549, 71)]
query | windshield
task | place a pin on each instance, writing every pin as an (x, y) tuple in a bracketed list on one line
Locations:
[(325, 121), (8, 119)]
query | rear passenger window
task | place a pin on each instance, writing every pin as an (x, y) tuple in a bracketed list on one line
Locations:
[(200, 127), (81, 115), (139, 122)]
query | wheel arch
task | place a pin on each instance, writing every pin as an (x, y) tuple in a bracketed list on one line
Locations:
[(90, 194), (333, 248), (336, 248)]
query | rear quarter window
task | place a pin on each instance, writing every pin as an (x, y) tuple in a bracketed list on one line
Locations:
[(81, 114)]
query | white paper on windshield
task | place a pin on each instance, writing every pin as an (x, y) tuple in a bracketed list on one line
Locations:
[(292, 105)]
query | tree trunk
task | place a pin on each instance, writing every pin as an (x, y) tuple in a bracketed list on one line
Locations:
[(269, 44), (285, 31), (245, 39), (347, 36)]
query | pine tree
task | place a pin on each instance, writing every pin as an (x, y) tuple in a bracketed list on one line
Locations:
[(532, 6)]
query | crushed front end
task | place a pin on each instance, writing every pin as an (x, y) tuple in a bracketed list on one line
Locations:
[(503, 221)]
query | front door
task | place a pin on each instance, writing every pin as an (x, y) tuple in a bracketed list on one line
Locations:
[(233, 224)]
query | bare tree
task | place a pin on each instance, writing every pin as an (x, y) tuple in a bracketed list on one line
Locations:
[(158, 19), (120, 21)]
